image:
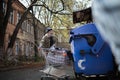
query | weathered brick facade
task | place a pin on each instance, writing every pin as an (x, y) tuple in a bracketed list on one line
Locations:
[(24, 44)]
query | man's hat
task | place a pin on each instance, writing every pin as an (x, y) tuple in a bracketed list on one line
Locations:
[(48, 29)]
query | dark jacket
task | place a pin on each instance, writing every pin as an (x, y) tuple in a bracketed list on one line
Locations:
[(47, 42)]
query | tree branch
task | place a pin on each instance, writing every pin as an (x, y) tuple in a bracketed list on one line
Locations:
[(54, 12)]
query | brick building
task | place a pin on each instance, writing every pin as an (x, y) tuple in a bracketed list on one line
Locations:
[(24, 44)]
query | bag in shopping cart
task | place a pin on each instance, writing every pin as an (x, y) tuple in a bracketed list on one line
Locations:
[(57, 57)]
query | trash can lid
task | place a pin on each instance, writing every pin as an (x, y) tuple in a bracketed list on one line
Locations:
[(88, 29), (85, 29)]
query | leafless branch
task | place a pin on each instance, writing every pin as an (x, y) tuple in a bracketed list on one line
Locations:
[(54, 12)]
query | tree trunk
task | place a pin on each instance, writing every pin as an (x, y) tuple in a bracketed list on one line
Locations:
[(1, 28), (35, 35), (3, 24)]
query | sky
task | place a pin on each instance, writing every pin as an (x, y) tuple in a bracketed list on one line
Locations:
[(25, 2)]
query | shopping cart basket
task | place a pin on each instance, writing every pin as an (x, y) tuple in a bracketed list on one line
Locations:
[(56, 60)]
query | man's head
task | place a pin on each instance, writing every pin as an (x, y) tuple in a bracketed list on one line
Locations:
[(49, 31)]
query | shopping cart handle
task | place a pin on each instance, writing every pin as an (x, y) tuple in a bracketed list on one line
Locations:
[(55, 51)]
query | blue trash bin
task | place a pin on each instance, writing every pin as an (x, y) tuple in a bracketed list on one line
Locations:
[(91, 54)]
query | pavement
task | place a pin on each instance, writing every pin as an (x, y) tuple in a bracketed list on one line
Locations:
[(20, 66), (21, 74), (28, 72), (33, 72)]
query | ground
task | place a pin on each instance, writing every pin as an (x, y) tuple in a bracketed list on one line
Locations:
[(21, 74), (27, 73)]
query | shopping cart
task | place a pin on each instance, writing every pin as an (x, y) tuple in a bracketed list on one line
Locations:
[(56, 61)]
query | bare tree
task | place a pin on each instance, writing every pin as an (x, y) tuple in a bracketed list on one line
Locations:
[(58, 13), (4, 16)]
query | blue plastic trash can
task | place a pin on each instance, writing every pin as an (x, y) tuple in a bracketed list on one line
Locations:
[(91, 54)]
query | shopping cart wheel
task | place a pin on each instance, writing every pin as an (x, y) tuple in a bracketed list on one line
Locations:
[(64, 77), (47, 78)]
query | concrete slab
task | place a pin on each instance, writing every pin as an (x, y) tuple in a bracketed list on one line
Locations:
[(54, 71)]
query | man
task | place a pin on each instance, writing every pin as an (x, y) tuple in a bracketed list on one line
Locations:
[(48, 40)]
